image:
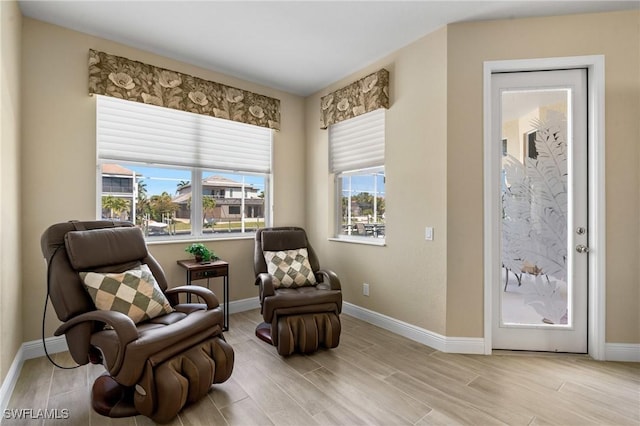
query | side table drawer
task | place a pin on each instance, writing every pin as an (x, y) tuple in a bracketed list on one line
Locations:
[(211, 273)]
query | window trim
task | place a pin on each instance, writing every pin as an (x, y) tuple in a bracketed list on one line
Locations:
[(196, 215), (353, 239), (337, 236)]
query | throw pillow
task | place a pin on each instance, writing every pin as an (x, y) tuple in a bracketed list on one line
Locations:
[(290, 268), (135, 293)]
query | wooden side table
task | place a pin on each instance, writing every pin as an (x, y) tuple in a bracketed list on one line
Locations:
[(199, 271)]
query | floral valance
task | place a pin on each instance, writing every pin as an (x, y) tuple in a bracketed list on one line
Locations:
[(134, 81), (365, 95)]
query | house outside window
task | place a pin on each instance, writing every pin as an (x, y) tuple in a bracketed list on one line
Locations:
[(224, 208), (117, 192)]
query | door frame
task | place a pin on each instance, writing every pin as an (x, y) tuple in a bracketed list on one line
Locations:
[(596, 192)]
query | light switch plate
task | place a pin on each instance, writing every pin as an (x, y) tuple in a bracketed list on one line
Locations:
[(428, 233)]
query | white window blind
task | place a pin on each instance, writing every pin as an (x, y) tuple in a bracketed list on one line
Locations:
[(357, 143), (132, 131)]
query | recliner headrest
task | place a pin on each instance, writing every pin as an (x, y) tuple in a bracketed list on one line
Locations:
[(283, 239), (103, 247)]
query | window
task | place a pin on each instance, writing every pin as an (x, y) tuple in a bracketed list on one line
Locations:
[(155, 164), (116, 184), (356, 153)]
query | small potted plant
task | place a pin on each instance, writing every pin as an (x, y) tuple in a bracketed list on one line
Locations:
[(201, 252)]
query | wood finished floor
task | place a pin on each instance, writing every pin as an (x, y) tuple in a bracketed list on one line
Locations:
[(373, 378)]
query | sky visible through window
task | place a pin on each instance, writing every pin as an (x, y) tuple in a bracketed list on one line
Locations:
[(364, 183)]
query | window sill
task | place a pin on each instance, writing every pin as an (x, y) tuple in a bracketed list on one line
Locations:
[(380, 242), (192, 239)]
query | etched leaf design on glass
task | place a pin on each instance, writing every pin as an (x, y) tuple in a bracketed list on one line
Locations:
[(516, 214), (545, 297), (548, 177), (535, 216)]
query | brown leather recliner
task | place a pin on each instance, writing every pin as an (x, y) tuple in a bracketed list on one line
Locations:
[(297, 318), (154, 367)]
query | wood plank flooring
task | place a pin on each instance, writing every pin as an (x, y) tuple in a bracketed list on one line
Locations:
[(373, 378)]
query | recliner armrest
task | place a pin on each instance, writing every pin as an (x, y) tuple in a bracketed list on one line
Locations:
[(265, 281), (329, 277), (122, 324), (207, 295)]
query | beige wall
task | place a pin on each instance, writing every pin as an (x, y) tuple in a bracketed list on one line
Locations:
[(407, 277), (58, 173), (10, 276), (615, 35)]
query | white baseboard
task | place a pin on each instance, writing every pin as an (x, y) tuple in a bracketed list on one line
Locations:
[(462, 345), (10, 380), (244, 305), (27, 350), (34, 348), (627, 352)]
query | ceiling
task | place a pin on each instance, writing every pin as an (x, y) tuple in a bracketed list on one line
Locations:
[(296, 46)]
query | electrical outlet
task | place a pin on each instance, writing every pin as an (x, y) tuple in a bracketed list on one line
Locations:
[(365, 289)]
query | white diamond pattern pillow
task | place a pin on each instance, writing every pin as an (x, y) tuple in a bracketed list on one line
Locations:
[(290, 268), (135, 293)]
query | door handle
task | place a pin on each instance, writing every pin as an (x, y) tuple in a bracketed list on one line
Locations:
[(581, 248)]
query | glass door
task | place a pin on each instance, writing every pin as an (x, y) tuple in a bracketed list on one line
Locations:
[(541, 298)]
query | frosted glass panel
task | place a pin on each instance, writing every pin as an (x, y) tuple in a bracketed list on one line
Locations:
[(534, 208)]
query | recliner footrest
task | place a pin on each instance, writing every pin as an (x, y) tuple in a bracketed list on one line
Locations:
[(166, 388), (306, 332)]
